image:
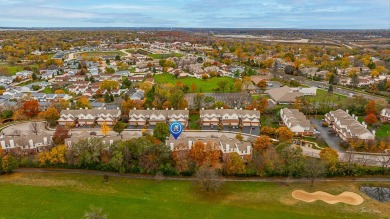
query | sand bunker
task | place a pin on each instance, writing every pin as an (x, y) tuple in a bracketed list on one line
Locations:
[(345, 197)]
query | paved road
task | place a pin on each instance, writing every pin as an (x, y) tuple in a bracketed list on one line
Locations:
[(226, 179), (340, 90), (363, 159), (331, 139)]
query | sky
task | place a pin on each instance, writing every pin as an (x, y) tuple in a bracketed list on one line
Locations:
[(301, 14)]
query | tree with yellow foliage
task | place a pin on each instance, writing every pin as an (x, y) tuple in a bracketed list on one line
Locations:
[(109, 85), (53, 157), (105, 129), (83, 102), (59, 91)]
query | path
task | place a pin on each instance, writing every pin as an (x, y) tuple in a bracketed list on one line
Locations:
[(226, 179)]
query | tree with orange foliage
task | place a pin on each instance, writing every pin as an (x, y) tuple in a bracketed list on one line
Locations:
[(181, 158), (30, 108), (370, 108), (131, 104), (59, 92), (197, 153), (234, 164), (19, 115), (260, 105), (266, 130), (284, 133), (371, 119), (262, 143), (262, 84), (193, 87), (51, 115), (202, 153)]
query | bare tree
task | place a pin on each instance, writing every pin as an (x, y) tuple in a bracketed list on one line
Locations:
[(208, 179), (384, 162), (34, 127), (314, 168)]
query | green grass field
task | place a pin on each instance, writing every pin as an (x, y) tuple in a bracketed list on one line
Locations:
[(100, 54), (52, 195), (202, 86), (165, 56), (383, 131), (16, 68)]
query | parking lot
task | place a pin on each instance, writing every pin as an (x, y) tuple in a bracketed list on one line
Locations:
[(231, 99), (331, 139)]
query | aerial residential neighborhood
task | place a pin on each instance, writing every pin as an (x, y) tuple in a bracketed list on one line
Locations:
[(194, 109)]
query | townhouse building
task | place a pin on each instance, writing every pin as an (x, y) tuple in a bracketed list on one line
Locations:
[(296, 121), (385, 115), (152, 117), (89, 116), (230, 117), (347, 126)]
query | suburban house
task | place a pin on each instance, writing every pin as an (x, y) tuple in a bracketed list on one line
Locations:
[(89, 116), (152, 117), (224, 144), (347, 127), (296, 121), (31, 141), (287, 95), (230, 117), (385, 115)]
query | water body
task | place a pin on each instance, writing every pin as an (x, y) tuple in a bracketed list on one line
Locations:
[(381, 194)]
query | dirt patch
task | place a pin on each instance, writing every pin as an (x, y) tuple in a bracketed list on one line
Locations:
[(345, 197)]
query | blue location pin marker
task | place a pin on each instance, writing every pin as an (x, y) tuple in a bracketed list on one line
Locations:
[(175, 128)]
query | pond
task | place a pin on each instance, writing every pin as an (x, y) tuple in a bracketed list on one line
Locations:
[(381, 194)]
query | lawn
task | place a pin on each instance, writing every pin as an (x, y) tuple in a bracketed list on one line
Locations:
[(383, 131), (202, 86), (100, 54), (194, 118), (16, 68), (165, 56), (324, 91), (55, 195)]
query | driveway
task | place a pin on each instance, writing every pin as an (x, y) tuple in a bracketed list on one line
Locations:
[(331, 139)]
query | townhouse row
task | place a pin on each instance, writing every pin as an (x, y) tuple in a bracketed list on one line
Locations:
[(225, 117)]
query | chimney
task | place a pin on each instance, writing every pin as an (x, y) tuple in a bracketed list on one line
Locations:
[(134, 108), (221, 107), (202, 108), (171, 146), (248, 149), (148, 109), (81, 108), (235, 107), (254, 109), (353, 116), (189, 145), (185, 109), (347, 111), (67, 108), (171, 108), (153, 108), (216, 108), (373, 132), (240, 108), (227, 148)]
